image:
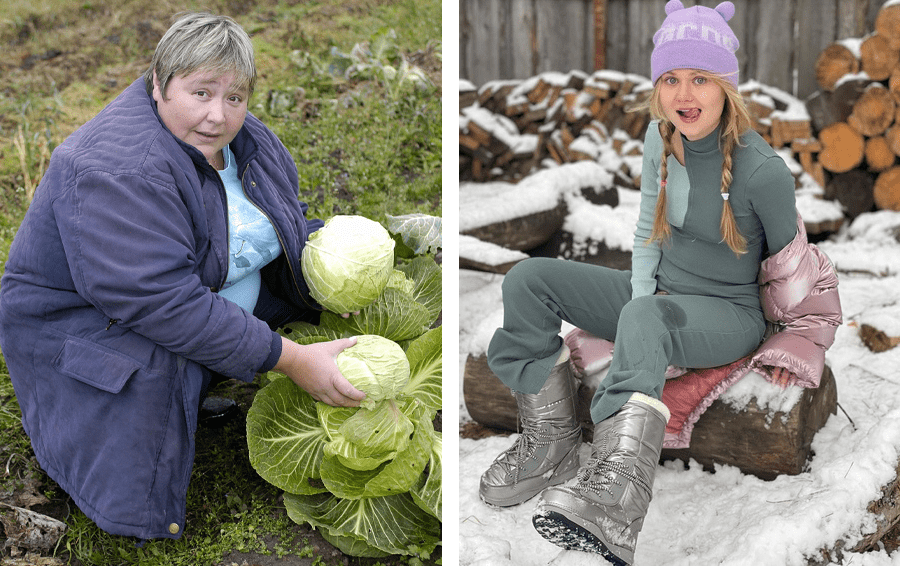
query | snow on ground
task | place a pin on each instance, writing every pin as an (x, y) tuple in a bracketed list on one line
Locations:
[(722, 518)]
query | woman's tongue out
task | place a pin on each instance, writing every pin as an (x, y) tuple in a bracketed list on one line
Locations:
[(690, 115)]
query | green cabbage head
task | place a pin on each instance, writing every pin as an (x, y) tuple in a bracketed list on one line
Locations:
[(376, 366), (347, 262)]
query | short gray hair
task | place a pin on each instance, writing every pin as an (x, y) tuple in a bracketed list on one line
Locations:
[(199, 41)]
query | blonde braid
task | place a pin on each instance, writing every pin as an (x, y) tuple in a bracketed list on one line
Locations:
[(728, 225), (661, 230)]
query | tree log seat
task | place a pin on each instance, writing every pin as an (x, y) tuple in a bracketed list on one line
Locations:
[(754, 438)]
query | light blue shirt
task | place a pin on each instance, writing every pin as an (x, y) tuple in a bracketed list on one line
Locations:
[(252, 241)]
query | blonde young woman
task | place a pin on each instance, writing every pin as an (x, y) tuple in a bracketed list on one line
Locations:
[(715, 201)]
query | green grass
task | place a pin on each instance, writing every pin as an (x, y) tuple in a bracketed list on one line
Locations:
[(374, 158), (380, 138), (365, 143)]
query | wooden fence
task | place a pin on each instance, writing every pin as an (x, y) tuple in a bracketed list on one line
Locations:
[(518, 39)]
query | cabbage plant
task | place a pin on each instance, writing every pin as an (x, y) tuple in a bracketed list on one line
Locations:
[(368, 478), (347, 262)]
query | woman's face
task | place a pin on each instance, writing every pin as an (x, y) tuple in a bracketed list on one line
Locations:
[(204, 109), (692, 102)]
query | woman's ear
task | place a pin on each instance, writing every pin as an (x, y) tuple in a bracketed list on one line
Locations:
[(157, 92)]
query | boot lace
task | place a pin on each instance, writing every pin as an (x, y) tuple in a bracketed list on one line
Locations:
[(600, 473), (532, 437)]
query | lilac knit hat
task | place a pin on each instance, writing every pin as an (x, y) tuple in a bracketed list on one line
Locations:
[(695, 38)]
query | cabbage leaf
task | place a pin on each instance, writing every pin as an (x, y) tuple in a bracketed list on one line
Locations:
[(286, 444), (393, 524), (428, 494), (426, 369), (421, 233)]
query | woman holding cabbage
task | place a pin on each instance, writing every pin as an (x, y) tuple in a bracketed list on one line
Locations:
[(162, 249)]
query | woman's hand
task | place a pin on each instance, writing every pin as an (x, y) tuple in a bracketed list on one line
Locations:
[(347, 314), (313, 368), (781, 376)]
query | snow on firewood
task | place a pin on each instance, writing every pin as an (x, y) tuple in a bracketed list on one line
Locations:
[(486, 252), (481, 204)]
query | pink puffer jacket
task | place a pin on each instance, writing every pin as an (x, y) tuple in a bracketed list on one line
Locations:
[(799, 296)]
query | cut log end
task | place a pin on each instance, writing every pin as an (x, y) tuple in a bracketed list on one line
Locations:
[(887, 24), (878, 57), (879, 156), (887, 189), (843, 148), (834, 62)]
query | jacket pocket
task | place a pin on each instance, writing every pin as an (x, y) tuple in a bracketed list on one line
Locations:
[(94, 365)]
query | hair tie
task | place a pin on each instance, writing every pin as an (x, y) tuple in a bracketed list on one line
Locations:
[(662, 183), (725, 196)]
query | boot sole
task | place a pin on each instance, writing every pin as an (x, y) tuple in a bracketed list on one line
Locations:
[(562, 532)]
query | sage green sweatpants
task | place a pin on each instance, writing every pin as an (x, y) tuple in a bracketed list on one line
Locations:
[(650, 333)]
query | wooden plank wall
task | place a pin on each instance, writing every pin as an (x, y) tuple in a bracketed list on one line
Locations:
[(780, 39)]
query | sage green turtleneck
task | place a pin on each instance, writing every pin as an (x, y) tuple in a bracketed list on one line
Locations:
[(695, 260)]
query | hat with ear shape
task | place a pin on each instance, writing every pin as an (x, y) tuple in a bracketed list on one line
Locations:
[(696, 38)]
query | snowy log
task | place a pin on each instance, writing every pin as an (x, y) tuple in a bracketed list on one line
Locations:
[(564, 245), (758, 441), (825, 107), (522, 233), (882, 535), (753, 439), (485, 256)]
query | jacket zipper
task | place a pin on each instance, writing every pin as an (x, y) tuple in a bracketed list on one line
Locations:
[(227, 234), (277, 233)]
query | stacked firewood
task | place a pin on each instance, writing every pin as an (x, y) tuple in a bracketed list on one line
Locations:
[(856, 114), (507, 129), (845, 136)]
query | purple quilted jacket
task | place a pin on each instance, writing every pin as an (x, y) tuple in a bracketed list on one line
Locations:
[(109, 322)]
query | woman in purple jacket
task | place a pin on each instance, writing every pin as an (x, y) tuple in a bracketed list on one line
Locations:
[(161, 249)]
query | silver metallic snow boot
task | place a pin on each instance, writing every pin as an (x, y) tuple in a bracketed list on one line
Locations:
[(546, 452), (604, 511)]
